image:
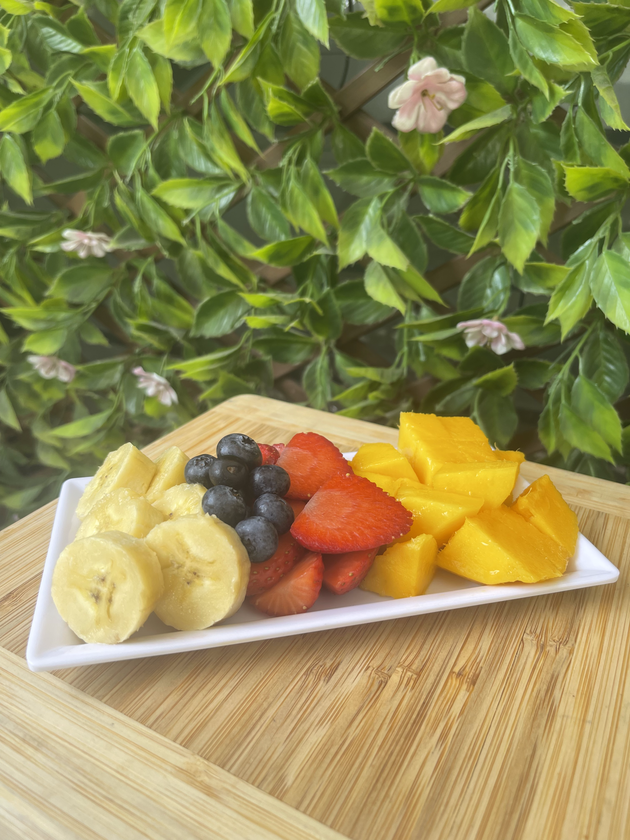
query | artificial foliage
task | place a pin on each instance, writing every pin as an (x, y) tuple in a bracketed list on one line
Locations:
[(148, 122)]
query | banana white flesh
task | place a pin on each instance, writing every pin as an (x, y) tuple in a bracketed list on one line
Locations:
[(123, 510), (181, 500), (169, 472), (125, 467), (105, 586), (205, 568)]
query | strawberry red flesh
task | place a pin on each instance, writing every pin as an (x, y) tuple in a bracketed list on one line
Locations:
[(310, 460), (343, 572), (270, 454), (349, 513), (296, 591), (262, 576)]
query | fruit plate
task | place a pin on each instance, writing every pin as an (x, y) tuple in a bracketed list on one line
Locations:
[(53, 645)]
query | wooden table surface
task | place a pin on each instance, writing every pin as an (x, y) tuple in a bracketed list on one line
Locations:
[(501, 722)]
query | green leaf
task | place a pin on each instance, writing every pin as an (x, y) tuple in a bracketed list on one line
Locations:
[(236, 121), (265, 217), (24, 114), (142, 86), (399, 11), (486, 52), (361, 231), (180, 20), (269, 66), (318, 193), (360, 178), (595, 410), (496, 415), (215, 30), (251, 104), (485, 121), (108, 110), (603, 362), (285, 107), (572, 299), (7, 412), (317, 380), (406, 235), (356, 306), (502, 380), (288, 347), (358, 39), (533, 374), (346, 145), (588, 183), (486, 285), (220, 145), (157, 218), (82, 283), (596, 146), (525, 65), (439, 196), (15, 169), (441, 6), (154, 36), (423, 150), (83, 427), (445, 236), (313, 15), (48, 137), (519, 225), (380, 288), (610, 285), (45, 342), (541, 278), (55, 35), (544, 104), (551, 44), (125, 148), (385, 155), (16, 7), (192, 193), (539, 186), (219, 315), (244, 63), (325, 320), (580, 435), (529, 323), (242, 14), (301, 211), (299, 52), (477, 208), (287, 252)]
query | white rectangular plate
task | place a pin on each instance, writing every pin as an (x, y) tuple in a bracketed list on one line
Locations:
[(53, 645)]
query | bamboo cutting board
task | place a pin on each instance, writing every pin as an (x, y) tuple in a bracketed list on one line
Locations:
[(502, 722)]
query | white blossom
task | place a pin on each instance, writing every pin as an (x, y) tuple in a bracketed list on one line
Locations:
[(426, 99), (50, 367), (155, 385), (478, 333), (86, 244)]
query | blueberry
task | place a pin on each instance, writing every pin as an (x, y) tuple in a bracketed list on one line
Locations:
[(259, 537), (276, 510), (225, 503), (241, 448), (268, 479), (196, 470), (230, 473)]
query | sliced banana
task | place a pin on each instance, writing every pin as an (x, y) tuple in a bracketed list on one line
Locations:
[(106, 586), (181, 500), (125, 467), (123, 510), (169, 472), (205, 568)]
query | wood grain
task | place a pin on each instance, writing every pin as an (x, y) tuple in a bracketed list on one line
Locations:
[(502, 722)]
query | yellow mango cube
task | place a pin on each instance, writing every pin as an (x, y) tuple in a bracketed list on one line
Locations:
[(436, 512), (385, 482), (407, 484), (382, 458), (542, 505), (492, 481), (510, 455), (500, 546), (404, 570)]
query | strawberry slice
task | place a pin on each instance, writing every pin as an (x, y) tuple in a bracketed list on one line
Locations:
[(296, 591), (343, 572), (280, 447), (262, 576), (349, 513), (310, 460), (269, 453)]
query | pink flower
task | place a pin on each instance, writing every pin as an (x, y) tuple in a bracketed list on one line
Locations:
[(50, 367), (86, 244), (427, 98), (155, 385), (481, 332)]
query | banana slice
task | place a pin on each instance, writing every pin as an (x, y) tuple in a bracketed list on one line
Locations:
[(106, 586), (169, 472), (205, 568), (123, 510), (125, 467), (181, 500)]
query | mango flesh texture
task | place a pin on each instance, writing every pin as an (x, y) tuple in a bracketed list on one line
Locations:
[(436, 512), (510, 455), (542, 505), (385, 482), (384, 459), (404, 570), (492, 481), (500, 546)]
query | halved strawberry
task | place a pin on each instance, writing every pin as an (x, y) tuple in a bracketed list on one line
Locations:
[(349, 513), (262, 576), (296, 591), (269, 453), (280, 447), (343, 572), (310, 460)]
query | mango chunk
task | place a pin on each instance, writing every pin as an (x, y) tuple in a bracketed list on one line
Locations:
[(542, 505), (510, 455), (407, 484), (382, 458), (500, 546), (385, 482), (404, 570), (492, 481), (436, 512)]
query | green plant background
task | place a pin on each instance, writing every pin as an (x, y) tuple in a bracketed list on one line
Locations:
[(341, 285)]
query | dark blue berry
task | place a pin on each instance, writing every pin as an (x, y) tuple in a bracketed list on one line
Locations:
[(231, 473), (225, 503), (268, 479), (276, 510), (259, 537), (241, 448), (196, 470)]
